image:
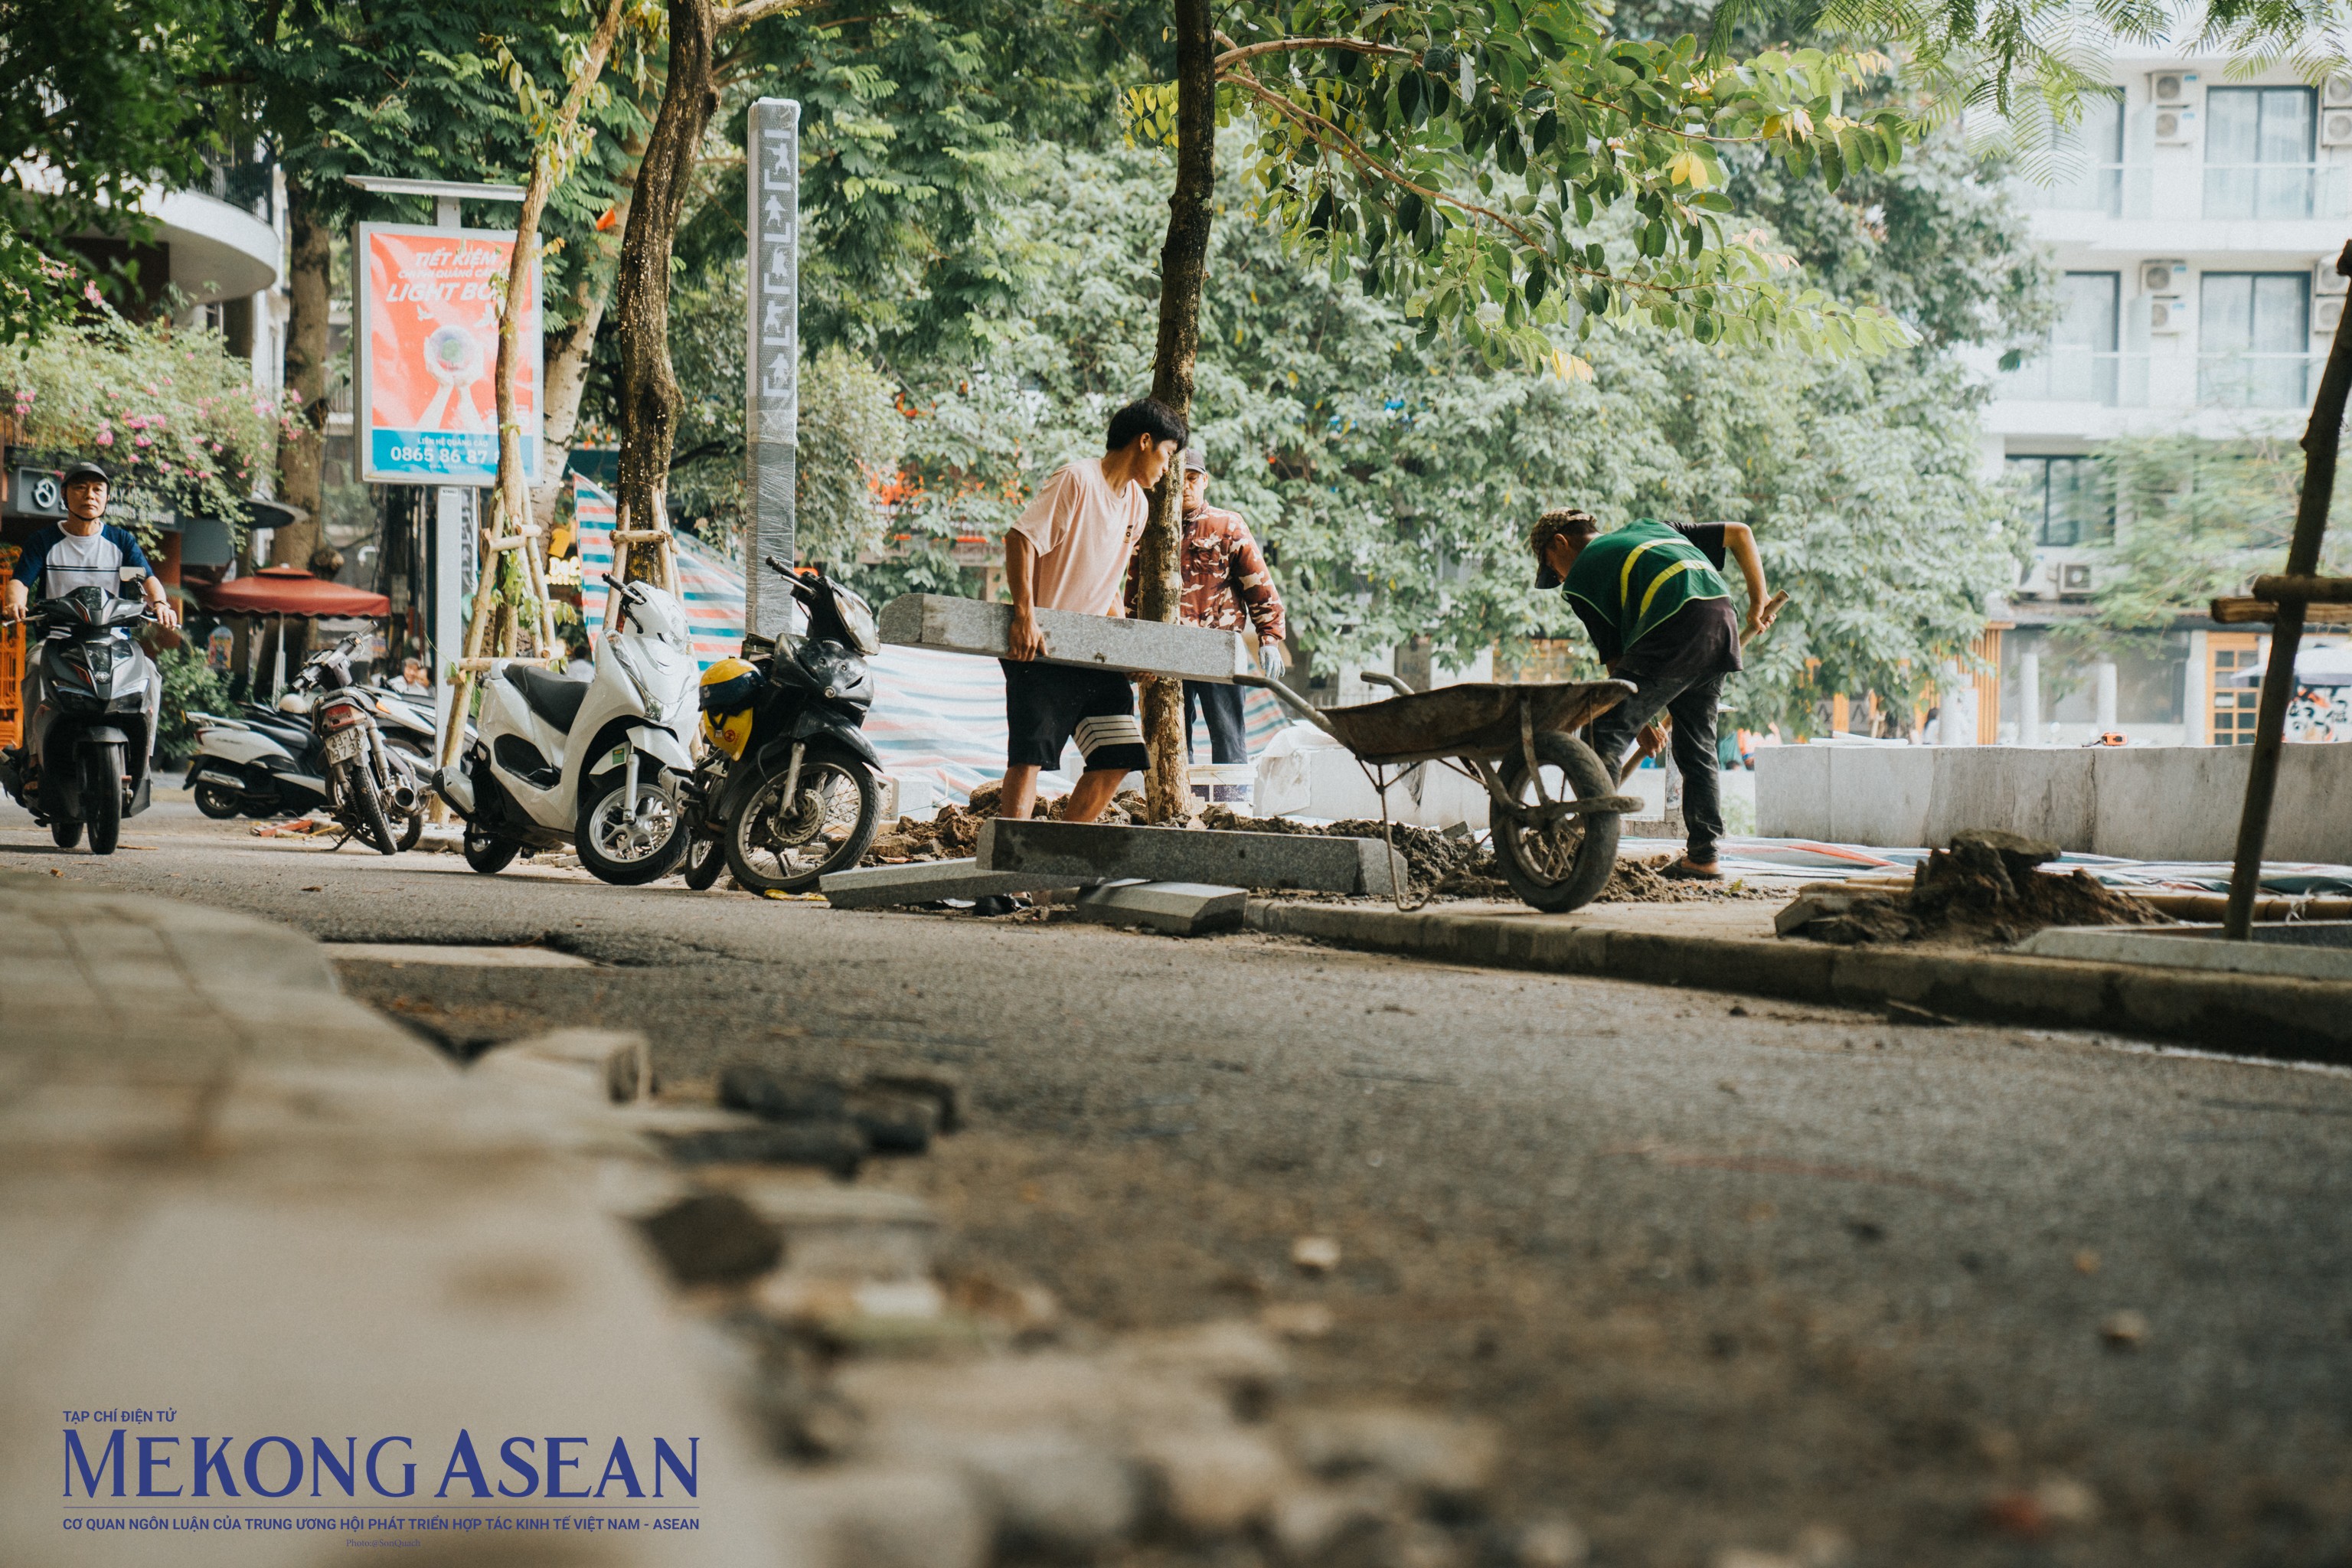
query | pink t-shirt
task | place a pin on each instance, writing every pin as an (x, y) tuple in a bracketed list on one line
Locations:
[(1084, 532)]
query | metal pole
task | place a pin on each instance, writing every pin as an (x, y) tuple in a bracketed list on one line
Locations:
[(771, 390), (2320, 439)]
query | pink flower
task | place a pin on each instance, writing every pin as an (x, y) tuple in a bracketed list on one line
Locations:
[(145, 441), (90, 292), (105, 437)]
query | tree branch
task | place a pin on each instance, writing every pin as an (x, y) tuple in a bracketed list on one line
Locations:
[(737, 17), (1234, 56)]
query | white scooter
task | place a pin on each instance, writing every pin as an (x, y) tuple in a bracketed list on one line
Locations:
[(597, 762)]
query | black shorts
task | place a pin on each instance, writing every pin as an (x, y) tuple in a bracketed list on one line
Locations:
[(1045, 705)]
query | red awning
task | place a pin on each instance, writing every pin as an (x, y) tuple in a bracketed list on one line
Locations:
[(288, 591)]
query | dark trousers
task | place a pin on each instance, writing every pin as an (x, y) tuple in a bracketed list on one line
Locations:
[(1220, 705), (1690, 700)]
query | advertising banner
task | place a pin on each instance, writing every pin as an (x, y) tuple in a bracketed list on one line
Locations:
[(427, 341)]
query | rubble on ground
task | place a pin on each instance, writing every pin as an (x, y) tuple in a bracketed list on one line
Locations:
[(1986, 890), (954, 833), (924, 1408)]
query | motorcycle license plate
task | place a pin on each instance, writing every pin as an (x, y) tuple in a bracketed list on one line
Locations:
[(342, 745)]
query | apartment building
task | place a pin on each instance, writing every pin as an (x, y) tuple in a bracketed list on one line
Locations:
[(2196, 228)]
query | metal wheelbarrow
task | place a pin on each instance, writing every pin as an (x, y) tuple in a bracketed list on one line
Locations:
[(1555, 808)]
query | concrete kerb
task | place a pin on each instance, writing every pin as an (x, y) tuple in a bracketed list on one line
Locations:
[(2251, 1015)]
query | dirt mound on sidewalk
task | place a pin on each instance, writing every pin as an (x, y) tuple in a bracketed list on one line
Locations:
[(1986, 891)]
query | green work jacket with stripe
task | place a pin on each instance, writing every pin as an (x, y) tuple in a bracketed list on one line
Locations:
[(1633, 581)]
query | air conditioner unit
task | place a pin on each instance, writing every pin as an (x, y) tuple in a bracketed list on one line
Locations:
[(2175, 127), (2325, 280), (2325, 315), (2163, 276), (2336, 126), (2169, 315), (2337, 91), (2170, 87), (2074, 577)]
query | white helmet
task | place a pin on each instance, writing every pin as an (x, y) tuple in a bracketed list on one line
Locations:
[(294, 703)]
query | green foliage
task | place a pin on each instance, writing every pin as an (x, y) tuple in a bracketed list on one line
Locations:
[(421, 90), (1457, 158), (2198, 519), (851, 435), (96, 106), (189, 686), (850, 429), (169, 411)]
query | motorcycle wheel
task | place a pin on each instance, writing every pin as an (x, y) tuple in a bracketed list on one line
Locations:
[(487, 853), (367, 804), (101, 795), (65, 835), (704, 860), (829, 828), (629, 844), (217, 802)]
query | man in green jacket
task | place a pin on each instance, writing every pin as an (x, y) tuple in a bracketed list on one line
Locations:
[(1655, 602)]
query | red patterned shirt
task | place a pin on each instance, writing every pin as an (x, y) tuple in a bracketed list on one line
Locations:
[(1226, 584)]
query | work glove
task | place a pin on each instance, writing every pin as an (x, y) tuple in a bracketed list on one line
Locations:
[(1271, 658)]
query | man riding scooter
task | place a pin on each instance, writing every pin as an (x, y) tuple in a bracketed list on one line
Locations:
[(83, 548), (91, 696)]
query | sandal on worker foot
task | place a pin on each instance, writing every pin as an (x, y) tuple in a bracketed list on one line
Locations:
[(1681, 870)]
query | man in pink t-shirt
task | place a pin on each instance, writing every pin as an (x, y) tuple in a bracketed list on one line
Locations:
[(1069, 551)]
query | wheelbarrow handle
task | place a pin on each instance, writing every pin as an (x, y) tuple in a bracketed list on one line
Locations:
[(1304, 708)]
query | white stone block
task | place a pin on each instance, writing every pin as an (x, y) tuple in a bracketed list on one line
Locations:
[(1101, 642)]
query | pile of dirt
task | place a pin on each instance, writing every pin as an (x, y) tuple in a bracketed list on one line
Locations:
[(1639, 882), (1984, 892)]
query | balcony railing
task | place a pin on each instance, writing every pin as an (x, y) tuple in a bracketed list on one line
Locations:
[(2111, 190), (2255, 381), (2079, 375), (2232, 192), (2252, 190)]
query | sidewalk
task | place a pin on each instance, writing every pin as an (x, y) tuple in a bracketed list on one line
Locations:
[(1730, 946), (238, 1205)]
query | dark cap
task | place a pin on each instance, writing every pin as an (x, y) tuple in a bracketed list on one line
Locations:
[(1194, 463), (86, 470), (1560, 522)]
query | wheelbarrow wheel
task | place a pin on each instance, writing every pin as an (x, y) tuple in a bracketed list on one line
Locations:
[(1562, 865)]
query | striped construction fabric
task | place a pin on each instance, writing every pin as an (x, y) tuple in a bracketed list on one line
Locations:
[(713, 591), (936, 715)]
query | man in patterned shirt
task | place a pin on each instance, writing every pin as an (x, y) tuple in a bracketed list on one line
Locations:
[(1226, 585)]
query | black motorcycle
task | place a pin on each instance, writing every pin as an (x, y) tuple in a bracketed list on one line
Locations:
[(369, 784), (90, 721), (793, 789)]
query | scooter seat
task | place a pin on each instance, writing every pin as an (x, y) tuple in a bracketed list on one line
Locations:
[(554, 697)]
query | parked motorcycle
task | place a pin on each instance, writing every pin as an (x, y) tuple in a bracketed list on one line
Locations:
[(599, 763), (90, 725), (320, 749), (791, 789), (406, 719)]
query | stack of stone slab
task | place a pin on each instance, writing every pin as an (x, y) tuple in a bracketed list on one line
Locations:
[(1149, 864)]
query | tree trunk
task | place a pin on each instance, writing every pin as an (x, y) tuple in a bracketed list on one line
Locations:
[(1183, 259), (547, 166), (301, 455), (567, 380), (649, 390), (568, 361)]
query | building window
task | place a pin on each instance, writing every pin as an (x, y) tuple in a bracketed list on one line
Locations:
[(2079, 363), (2258, 152), (2067, 500), (2255, 340), (2233, 706), (2090, 162)]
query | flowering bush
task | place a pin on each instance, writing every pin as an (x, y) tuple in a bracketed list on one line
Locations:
[(168, 411)]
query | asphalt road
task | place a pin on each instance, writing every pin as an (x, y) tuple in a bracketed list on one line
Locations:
[(1724, 1271)]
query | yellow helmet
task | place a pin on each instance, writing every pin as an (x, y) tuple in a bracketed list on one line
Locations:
[(729, 689)]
